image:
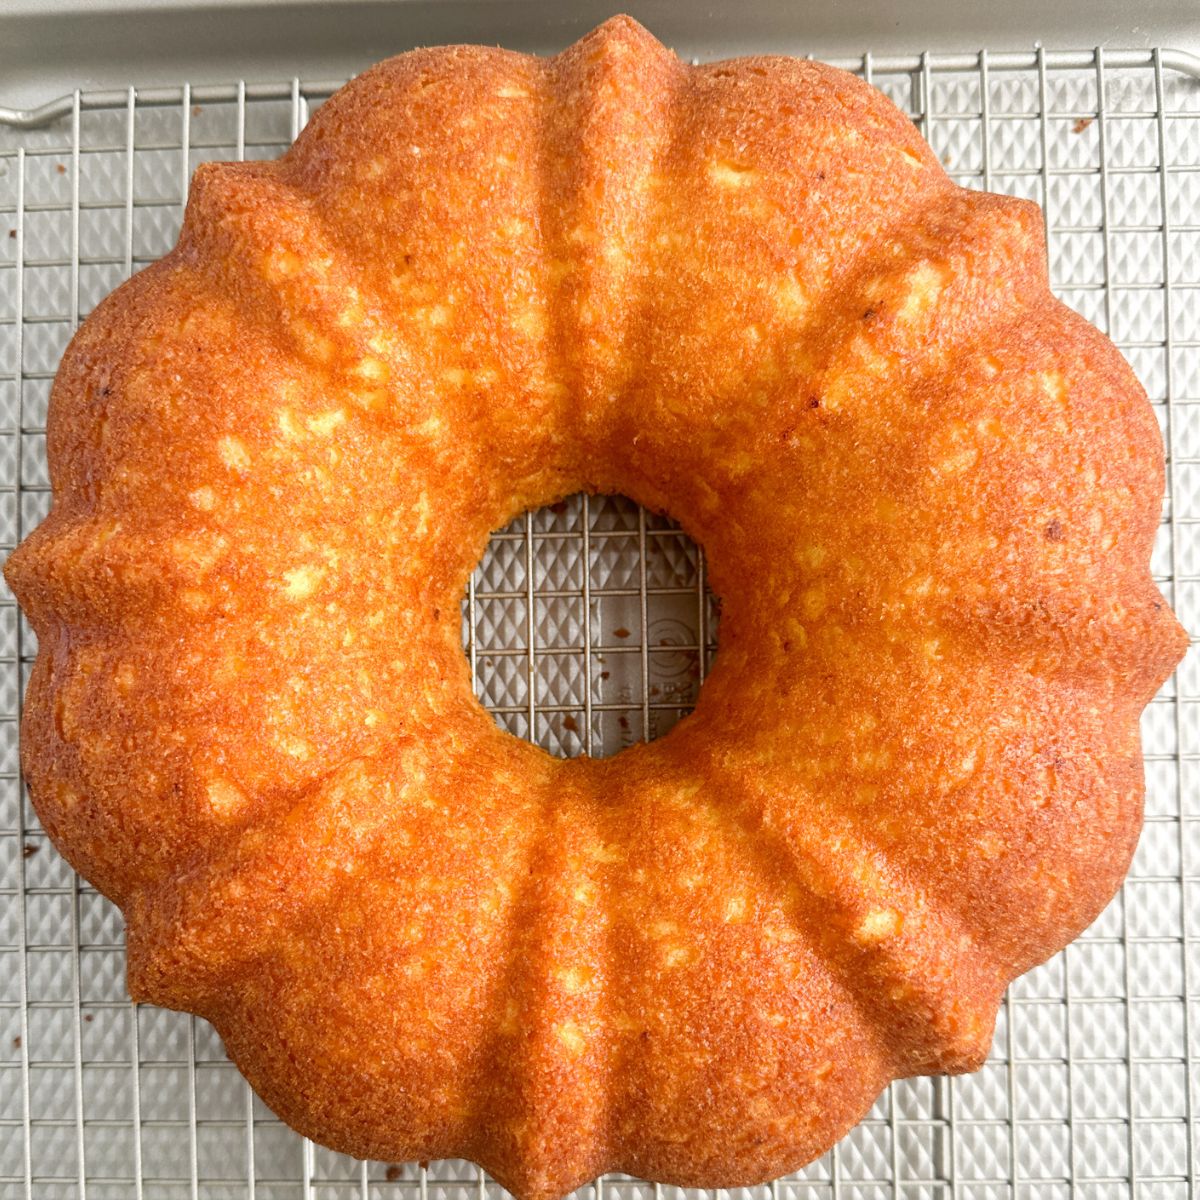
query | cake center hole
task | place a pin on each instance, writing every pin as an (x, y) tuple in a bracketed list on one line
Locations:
[(589, 625)]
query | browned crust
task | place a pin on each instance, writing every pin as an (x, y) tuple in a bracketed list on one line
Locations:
[(745, 293)]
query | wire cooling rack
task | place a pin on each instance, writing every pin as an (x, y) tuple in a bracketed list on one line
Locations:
[(588, 626)]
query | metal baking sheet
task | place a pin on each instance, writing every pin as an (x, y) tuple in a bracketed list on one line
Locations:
[(48, 48), (585, 624)]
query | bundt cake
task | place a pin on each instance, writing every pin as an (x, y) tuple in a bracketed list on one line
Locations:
[(745, 294)]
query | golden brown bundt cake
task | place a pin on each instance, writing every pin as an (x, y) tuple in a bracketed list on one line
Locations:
[(743, 293)]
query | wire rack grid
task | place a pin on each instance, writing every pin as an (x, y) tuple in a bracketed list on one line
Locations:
[(588, 626)]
